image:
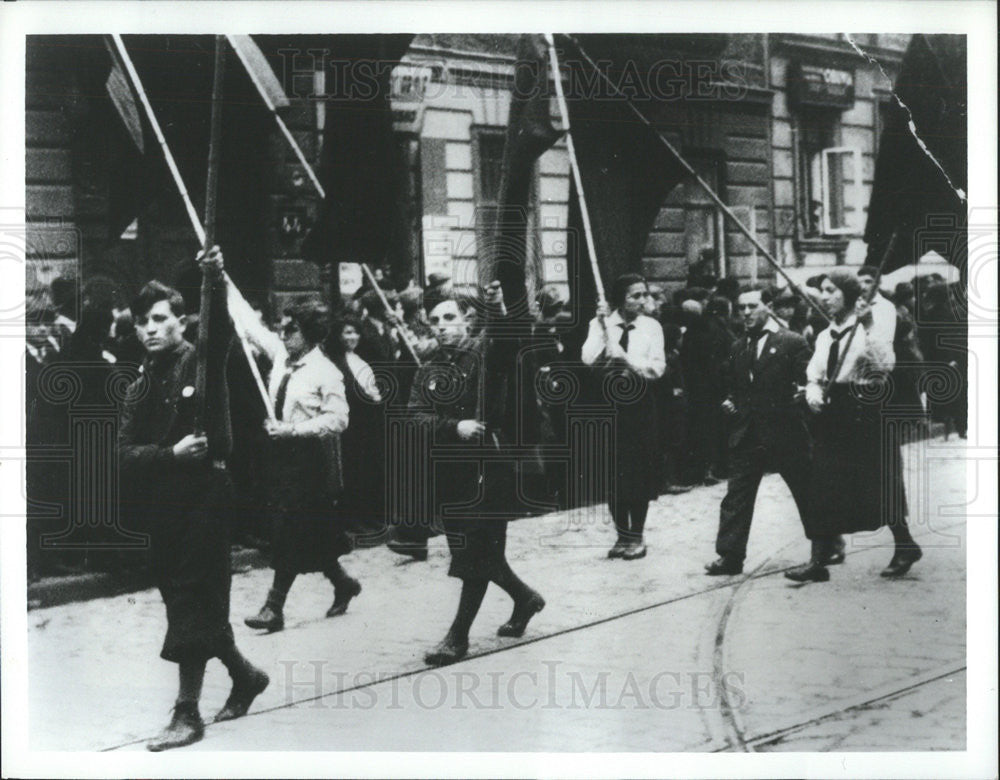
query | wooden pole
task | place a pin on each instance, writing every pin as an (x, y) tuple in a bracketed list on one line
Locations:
[(199, 231), (174, 172), (403, 332), (575, 168), (281, 123), (211, 200), (708, 190)]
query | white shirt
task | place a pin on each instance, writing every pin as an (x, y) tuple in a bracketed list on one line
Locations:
[(868, 351), (771, 325), (883, 319), (315, 402), (645, 343)]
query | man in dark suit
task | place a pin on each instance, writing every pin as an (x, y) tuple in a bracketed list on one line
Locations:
[(768, 430)]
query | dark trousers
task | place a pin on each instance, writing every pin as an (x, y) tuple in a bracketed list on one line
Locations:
[(748, 463)]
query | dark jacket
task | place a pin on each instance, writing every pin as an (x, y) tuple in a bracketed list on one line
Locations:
[(467, 381), (159, 410), (767, 402)]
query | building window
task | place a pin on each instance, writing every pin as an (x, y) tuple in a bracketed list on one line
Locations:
[(840, 182), (828, 181)]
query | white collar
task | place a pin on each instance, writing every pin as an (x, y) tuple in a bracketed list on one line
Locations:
[(308, 357), (845, 326), (771, 325), (615, 318)]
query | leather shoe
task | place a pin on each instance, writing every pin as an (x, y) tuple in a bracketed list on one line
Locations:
[(268, 619), (343, 593), (634, 551), (523, 612), (809, 572), (723, 566), (902, 560), (416, 551), (618, 551), (448, 652), (241, 697), (676, 490), (186, 727)]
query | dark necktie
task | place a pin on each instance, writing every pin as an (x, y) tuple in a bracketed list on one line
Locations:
[(834, 356), (624, 339), (279, 399)]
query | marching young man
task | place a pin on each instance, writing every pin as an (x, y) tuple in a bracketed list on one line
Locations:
[(179, 476)]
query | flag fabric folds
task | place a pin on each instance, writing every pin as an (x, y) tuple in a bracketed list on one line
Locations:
[(912, 192), (530, 132), (359, 162), (626, 171), (124, 100)]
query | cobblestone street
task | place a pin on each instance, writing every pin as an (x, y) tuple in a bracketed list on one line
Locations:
[(649, 655)]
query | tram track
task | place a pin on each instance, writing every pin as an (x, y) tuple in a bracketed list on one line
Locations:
[(751, 742), (732, 725)]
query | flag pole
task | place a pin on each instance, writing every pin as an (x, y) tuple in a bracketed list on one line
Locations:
[(404, 334), (575, 168), (174, 172), (277, 118), (199, 231), (701, 183), (211, 194)]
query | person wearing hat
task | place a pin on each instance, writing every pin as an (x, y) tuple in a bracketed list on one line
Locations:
[(438, 288)]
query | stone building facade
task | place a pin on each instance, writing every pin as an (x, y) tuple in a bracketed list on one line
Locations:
[(788, 141)]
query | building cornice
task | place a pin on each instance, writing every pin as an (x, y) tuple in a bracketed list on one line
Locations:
[(836, 52)]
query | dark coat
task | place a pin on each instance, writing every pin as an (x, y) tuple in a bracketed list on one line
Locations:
[(183, 504), (766, 404), (466, 490)]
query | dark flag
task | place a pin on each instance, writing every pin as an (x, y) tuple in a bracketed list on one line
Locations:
[(914, 190), (626, 171), (359, 168), (530, 132), (176, 74)]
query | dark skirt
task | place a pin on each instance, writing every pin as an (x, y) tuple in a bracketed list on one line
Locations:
[(857, 469), (636, 445), (307, 534), (189, 559), (362, 504)]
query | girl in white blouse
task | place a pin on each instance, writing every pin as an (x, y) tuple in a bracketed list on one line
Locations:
[(629, 346), (310, 406), (856, 482)]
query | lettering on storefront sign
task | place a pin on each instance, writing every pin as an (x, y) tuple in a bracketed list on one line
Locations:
[(815, 85)]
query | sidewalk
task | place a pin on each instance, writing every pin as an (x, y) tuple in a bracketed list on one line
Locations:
[(53, 591), (625, 652)]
